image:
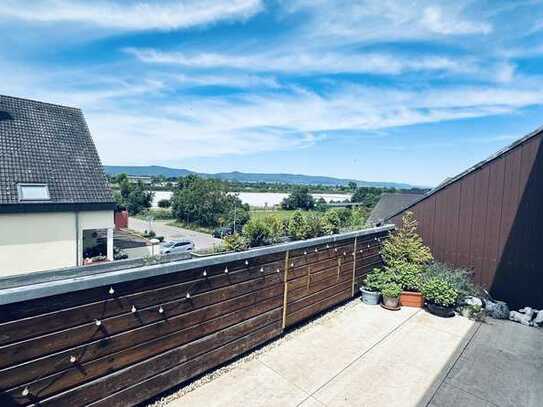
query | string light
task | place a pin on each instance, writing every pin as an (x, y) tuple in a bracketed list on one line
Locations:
[(98, 322), (246, 262), (187, 296), (73, 359), (111, 291), (133, 309), (25, 392), (278, 270), (262, 269), (226, 270), (161, 310), (204, 273), (316, 250), (305, 253)]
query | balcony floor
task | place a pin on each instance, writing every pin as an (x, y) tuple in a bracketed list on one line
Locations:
[(359, 355)]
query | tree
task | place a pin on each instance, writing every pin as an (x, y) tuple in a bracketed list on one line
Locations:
[(406, 245), (300, 198), (207, 203), (132, 196)]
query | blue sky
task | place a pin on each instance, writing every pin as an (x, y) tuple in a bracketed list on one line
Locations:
[(380, 90)]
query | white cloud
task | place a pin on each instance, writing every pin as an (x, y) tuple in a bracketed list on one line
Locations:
[(385, 20), (434, 20), (285, 60), (141, 15)]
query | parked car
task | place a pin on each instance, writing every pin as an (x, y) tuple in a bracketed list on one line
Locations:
[(177, 246), (219, 233)]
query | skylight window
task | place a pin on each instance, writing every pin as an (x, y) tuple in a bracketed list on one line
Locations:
[(33, 192)]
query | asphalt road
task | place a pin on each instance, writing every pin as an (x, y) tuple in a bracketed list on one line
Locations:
[(201, 240)]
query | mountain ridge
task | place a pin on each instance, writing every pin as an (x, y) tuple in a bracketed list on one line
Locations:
[(277, 178)]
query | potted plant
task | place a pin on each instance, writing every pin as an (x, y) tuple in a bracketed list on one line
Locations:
[(391, 296), (441, 296), (409, 277), (371, 286)]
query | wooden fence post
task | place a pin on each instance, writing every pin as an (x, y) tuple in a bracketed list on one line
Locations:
[(354, 264), (285, 293)]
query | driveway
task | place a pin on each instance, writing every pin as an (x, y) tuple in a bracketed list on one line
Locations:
[(201, 241), (359, 355)]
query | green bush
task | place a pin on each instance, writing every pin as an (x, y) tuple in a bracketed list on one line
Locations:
[(391, 290), (257, 232), (276, 226), (313, 226), (297, 226), (164, 203), (377, 278), (439, 291), (235, 242), (409, 276), (459, 278), (158, 213), (331, 222), (406, 246)]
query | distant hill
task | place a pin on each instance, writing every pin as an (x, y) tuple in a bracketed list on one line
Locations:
[(296, 179)]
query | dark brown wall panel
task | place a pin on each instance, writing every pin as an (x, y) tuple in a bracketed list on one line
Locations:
[(490, 220)]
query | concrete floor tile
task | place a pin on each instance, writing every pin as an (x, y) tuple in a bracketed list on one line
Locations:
[(450, 396), (249, 384), (319, 354), (456, 325), (499, 376), (371, 383)]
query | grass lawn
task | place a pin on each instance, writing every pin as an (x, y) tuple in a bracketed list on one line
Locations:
[(264, 213)]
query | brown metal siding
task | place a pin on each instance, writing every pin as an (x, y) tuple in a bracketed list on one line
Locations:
[(491, 220)]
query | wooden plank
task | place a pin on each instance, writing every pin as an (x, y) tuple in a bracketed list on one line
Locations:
[(25, 350), (86, 352), (263, 314), (179, 374), (42, 324), (319, 296), (315, 308), (39, 306), (285, 292), (207, 348)]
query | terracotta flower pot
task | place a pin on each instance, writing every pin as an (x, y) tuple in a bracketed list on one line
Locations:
[(411, 299)]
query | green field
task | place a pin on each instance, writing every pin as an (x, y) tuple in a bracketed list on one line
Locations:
[(263, 213)]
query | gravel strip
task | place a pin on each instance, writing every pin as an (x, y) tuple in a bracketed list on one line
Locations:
[(178, 392)]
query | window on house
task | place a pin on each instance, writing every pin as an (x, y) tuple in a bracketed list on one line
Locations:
[(33, 192)]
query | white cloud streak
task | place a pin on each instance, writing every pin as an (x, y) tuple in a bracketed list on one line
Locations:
[(142, 15)]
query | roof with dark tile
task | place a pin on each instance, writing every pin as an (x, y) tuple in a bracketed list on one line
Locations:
[(390, 203), (49, 144)]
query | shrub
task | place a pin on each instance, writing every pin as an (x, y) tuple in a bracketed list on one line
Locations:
[(406, 246), (159, 214), (276, 226), (257, 232), (358, 217), (439, 291), (409, 276), (235, 242), (459, 278), (376, 279), (313, 226), (331, 222), (164, 203), (391, 290), (297, 226)]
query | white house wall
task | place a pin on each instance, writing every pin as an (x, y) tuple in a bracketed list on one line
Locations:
[(42, 241)]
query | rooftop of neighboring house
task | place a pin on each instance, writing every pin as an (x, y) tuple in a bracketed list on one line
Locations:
[(389, 204), (49, 161)]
